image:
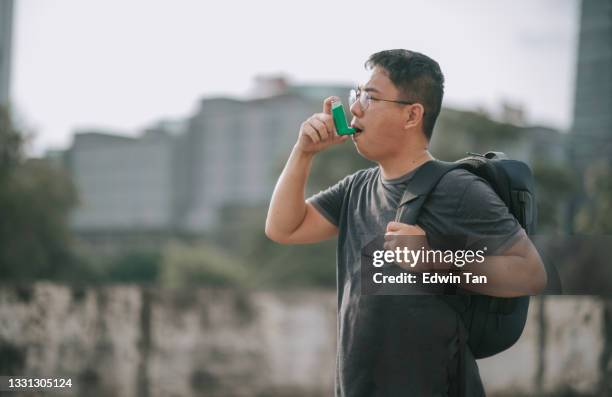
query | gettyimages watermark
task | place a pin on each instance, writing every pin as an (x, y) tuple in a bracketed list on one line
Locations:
[(414, 265), (427, 259), (401, 265)]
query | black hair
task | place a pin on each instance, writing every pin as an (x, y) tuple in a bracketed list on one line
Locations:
[(417, 77)]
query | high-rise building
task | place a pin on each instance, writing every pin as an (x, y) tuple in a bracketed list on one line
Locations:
[(238, 144), (6, 38), (123, 183), (593, 99)]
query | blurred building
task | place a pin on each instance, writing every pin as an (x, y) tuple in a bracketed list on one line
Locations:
[(236, 148), (6, 33), (178, 177), (123, 183), (593, 98)]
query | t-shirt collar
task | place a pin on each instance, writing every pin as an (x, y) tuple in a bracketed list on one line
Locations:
[(396, 181)]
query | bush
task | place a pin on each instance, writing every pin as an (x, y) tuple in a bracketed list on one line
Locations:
[(185, 264), (140, 267)]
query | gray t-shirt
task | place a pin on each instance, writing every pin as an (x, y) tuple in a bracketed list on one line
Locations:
[(405, 343)]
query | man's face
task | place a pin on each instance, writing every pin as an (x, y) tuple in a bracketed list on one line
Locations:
[(381, 125)]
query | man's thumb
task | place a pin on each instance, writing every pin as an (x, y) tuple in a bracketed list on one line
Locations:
[(327, 103)]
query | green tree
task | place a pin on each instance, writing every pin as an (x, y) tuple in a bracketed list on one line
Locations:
[(10, 145), (554, 186), (35, 200), (198, 263)]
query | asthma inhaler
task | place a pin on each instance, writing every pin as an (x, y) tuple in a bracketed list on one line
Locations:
[(340, 119)]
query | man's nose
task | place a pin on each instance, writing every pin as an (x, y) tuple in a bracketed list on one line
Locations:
[(356, 109)]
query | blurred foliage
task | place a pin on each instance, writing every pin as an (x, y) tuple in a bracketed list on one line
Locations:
[(10, 145), (554, 188), (333, 164), (292, 265), (595, 216), (188, 264), (35, 200), (458, 132), (136, 266)]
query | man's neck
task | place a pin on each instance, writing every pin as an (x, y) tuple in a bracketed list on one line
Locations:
[(398, 166)]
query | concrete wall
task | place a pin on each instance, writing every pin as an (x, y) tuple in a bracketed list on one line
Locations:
[(135, 341)]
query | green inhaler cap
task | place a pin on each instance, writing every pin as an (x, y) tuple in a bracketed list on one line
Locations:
[(340, 119)]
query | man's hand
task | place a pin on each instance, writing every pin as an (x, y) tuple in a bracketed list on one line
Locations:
[(412, 237), (291, 220), (394, 240), (318, 132), (403, 229), (518, 271)]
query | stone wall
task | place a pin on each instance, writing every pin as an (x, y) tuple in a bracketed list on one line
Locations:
[(138, 341)]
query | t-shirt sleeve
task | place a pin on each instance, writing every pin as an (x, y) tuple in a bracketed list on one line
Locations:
[(466, 213), (329, 201), (485, 219)]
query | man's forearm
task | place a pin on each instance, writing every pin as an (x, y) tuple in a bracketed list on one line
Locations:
[(507, 276), (517, 271), (287, 207)]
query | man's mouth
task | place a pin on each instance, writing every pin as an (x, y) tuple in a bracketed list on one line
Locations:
[(358, 130)]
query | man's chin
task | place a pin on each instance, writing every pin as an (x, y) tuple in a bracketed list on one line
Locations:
[(358, 142)]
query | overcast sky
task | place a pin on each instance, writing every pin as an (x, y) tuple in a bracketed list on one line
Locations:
[(124, 64)]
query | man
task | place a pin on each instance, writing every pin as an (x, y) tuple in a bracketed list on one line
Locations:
[(407, 345)]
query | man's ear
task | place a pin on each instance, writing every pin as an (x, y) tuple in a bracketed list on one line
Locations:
[(413, 115)]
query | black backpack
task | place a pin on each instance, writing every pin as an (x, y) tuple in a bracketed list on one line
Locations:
[(493, 324)]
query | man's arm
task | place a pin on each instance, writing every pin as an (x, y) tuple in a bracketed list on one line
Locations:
[(291, 220), (517, 271)]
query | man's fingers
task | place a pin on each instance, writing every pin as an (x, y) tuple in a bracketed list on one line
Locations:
[(394, 226), (416, 230), (404, 229), (311, 133), (340, 138), (320, 127), (328, 102), (329, 124)]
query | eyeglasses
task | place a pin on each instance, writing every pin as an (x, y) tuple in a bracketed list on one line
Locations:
[(365, 99)]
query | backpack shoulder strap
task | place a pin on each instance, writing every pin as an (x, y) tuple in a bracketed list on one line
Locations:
[(418, 188)]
